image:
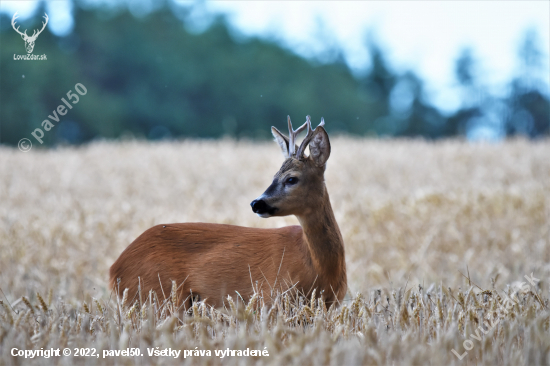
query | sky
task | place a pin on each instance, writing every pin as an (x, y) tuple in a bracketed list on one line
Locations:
[(423, 36)]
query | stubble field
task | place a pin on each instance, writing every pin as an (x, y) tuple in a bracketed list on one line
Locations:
[(438, 236)]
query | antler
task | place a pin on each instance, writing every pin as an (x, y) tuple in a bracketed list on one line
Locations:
[(292, 136), (308, 137), (43, 26), (17, 29)]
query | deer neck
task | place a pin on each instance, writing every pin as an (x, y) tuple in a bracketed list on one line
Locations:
[(325, 245)]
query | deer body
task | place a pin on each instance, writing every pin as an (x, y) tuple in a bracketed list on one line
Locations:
[(212, 261)]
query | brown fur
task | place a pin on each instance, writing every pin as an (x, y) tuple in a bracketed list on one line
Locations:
[(214, 261)]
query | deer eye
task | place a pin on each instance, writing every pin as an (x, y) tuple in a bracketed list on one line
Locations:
[(291, 180)]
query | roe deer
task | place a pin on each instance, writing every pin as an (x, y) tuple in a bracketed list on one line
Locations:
[(212, 261)]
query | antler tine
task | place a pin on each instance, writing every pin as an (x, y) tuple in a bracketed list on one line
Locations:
[(301, 128), (292, 136), (309, 129), (13, 25), (307, 139), (46, 18), (43, 24)]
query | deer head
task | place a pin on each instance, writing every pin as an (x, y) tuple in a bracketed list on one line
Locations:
[(299, 186), (29, 41)]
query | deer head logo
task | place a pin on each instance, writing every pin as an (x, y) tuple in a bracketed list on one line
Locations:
[(29, 41)]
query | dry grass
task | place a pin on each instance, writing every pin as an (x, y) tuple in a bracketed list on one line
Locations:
[(413, 214)]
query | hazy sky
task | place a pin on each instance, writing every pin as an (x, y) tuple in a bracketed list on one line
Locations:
[(424, 36)]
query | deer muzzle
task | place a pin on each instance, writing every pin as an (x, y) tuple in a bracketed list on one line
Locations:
[(261, 208)]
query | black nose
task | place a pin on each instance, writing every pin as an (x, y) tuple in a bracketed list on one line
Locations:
[(259, 206)]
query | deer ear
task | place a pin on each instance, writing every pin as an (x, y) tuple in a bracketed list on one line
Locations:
[(281, 140), (319, 146)]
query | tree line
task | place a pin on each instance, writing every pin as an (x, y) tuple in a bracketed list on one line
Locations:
[(149, 77)]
